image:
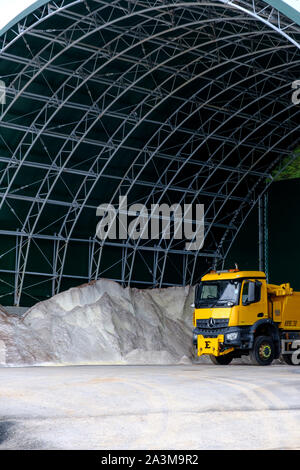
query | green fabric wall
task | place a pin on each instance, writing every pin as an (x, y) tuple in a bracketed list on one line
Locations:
[(283, 256), (284, 236)]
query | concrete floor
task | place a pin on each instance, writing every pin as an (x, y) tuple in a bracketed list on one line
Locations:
[(150, 407)]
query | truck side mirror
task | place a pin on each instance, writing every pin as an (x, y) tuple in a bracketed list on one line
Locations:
[(196, 297)]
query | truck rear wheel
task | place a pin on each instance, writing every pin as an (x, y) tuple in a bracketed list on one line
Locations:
[(222, 360), (263, 351), (287, 358)]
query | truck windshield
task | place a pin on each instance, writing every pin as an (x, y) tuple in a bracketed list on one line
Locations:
[(217, 293)]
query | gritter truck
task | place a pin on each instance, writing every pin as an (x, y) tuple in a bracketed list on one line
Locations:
[(238, 313)]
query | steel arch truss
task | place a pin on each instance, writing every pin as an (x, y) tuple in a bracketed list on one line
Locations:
[(159, 101)]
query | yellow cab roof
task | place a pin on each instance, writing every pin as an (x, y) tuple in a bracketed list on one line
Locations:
[(219, 275)]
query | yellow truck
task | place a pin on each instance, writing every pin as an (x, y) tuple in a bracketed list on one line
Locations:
[(238, 313)]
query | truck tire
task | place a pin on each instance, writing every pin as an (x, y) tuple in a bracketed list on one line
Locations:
[(287, 358), (263, 351), (222, 360), (194, 352)]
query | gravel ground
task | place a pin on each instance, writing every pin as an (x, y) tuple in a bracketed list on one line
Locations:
[(150, 407)]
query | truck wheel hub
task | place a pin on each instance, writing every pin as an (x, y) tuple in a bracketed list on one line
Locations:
[(265, 351)]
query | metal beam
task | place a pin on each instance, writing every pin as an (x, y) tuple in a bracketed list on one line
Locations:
[(155, 31), (173, 158), (102, 80), (37, 236), (75, 137)]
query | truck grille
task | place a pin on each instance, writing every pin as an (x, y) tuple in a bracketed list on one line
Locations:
[(213, 323)]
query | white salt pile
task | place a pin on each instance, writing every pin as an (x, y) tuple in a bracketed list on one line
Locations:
[(102, 322)]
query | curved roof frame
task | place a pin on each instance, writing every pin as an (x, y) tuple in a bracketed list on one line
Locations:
[(119, 189), (246, 12), (264, 13), (166, 251), (23, 257)]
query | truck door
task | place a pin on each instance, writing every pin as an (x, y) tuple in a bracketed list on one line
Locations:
[(252, 302)]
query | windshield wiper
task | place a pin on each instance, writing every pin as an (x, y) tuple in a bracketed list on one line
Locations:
[(232, 302)]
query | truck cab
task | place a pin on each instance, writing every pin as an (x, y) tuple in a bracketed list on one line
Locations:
[(234, 315)]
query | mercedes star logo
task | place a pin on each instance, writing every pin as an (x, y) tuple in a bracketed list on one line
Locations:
[(211, 322)]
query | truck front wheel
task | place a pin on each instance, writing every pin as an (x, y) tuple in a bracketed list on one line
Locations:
[(263, 351), (223, 360)]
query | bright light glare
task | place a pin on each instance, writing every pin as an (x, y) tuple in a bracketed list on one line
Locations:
[(10, 9)]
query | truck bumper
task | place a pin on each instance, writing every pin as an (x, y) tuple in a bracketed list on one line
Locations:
[(213, 346)]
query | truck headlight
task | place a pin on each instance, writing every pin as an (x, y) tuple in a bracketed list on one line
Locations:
[(232, 336)]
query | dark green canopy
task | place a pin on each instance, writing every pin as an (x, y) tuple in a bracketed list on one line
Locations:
[(161, 101)]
